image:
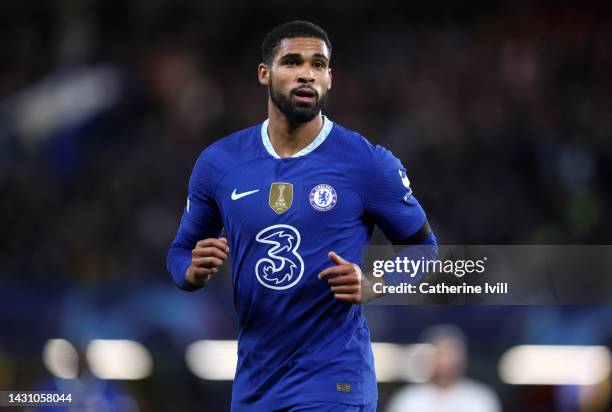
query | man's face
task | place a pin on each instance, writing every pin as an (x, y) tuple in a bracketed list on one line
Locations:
[(450, 361), (298, 78)]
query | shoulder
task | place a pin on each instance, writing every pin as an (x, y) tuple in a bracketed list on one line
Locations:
[(474, 386), (359, 147), (352, 140), (240, 142), (478, 391), (357, 157), (471, 385), (411, 397), (226, 152)]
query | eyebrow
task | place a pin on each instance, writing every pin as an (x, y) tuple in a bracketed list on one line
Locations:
[(299, 56)]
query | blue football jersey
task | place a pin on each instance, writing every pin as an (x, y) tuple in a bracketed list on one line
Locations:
[(296, 342)]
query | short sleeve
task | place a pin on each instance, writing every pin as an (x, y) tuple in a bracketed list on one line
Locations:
[(390, 201)]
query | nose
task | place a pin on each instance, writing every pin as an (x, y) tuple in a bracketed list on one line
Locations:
[(306, 75)]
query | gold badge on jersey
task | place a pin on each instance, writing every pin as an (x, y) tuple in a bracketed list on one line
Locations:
[(281, 197)]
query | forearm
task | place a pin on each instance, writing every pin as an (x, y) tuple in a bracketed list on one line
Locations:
[(426, 250), (178, 261), (368, 290)]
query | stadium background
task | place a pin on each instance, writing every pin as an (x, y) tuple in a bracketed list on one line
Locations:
[(499, 110)]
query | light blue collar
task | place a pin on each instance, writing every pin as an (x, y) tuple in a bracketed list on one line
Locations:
[(327, 126)]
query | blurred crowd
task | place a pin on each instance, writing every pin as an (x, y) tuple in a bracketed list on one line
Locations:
[(499, 110), (500, 113)]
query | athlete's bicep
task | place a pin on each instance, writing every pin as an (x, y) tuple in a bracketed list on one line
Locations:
[(201, 219), (392, 204)]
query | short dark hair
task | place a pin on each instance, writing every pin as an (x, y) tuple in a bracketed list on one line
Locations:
[(296, 28)]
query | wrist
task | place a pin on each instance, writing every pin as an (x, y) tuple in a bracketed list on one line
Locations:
[(368, 290), (193, 280)]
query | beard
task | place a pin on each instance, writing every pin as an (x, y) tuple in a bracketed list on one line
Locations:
[(296, 113)]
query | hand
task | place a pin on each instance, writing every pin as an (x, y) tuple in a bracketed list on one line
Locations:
[(347, 281), (206, 258)]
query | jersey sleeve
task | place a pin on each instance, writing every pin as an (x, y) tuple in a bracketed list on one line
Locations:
[(390, 202), (201, 219)]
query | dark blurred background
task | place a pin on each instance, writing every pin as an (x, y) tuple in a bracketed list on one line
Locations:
[(500, 111)]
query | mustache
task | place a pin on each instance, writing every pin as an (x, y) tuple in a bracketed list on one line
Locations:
[(293, 91)]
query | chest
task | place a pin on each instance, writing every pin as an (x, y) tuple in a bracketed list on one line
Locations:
[(300, 192)]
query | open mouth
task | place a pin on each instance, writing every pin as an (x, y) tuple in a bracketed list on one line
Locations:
[(305, 95)]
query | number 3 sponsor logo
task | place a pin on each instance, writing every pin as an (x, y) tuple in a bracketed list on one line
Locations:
[(282, 267)]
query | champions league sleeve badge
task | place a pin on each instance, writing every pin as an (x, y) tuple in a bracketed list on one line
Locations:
[(406, 183), (323, 197)]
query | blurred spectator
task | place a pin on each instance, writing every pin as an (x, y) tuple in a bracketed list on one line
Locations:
[(449, 390)]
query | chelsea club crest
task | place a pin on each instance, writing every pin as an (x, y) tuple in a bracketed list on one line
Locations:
[(323, 197)]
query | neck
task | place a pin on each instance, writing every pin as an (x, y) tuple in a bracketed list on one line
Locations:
[(289, 138), (445, 382)]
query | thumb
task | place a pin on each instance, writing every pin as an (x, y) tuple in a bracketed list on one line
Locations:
[(337, 259)]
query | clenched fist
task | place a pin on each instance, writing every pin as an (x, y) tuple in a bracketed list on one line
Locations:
[(206, 258), (347, 282)]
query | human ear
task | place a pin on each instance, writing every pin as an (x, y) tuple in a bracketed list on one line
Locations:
[(263, 74)]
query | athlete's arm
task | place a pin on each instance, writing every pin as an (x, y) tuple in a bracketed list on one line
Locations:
[(396, 211), (196, 252), (389, 201)]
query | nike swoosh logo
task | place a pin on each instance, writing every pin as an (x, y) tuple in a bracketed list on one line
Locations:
[(236, 196)]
